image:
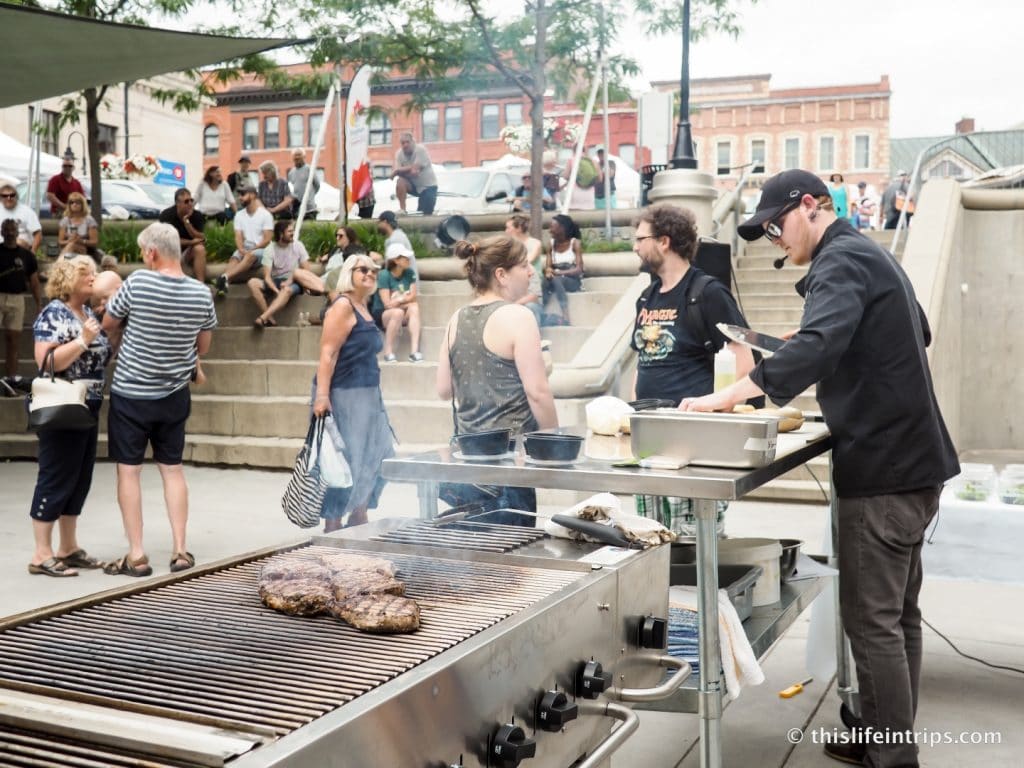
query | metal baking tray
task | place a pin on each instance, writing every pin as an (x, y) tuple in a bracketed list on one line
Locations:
[(739, 441), (737, 580)]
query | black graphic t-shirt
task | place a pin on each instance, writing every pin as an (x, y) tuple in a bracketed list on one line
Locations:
[(671, 363), (17, 265)]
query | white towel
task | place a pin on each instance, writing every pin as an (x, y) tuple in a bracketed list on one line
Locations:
[(739, 664), (605, 508)]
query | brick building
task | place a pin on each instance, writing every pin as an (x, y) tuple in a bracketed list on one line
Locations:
[(249, 118), (736, 121), (828, 129)]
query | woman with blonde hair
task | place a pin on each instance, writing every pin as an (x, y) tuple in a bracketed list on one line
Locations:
[(490, 365), (68, 328), (78, 232), (347, 385)]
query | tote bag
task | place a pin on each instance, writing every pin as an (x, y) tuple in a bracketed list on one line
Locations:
[(304, 495), (57, 403)]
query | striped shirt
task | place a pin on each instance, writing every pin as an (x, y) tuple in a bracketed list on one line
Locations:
[(165, 315)]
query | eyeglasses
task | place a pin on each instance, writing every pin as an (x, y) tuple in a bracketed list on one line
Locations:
[(340, 234), (9, 195), (187, 202), (773, 230), (362, 270), (75, 202), (640, 238)]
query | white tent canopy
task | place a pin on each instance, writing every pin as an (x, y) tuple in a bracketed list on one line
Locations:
[(16, 159)]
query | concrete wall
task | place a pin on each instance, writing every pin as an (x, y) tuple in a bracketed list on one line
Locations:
[(965, 257)]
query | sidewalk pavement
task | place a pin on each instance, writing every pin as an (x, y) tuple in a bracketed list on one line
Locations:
[(234, 511)]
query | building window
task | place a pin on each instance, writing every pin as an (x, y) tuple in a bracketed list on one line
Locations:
[(757, 156), (295, 125), (211, 140), (826, 153), (382, 171), (250, 133), (724, 158), (862, 151), (947, 169), (271, 132), (791, 154), (453, 123), (314, 129), (489, 121), (627, 154), (380, 130), (106, 141), (513, 114), (48, 130), (431, 125)]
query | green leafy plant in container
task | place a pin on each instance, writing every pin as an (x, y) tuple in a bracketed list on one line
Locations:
[(220, 241), (318, 237), (120, 241)]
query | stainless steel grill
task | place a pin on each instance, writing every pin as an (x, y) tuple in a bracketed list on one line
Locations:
[(463, 534), (206, 648)]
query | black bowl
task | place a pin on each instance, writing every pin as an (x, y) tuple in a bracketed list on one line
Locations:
[(493, 442), (787, 563), (549, 446)]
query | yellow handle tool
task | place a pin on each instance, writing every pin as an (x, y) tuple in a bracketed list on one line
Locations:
[(794, 689)]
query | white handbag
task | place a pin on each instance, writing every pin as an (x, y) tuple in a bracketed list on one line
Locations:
[(56, 403)]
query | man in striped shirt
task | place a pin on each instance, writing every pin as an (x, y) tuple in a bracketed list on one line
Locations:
[(167, 320)]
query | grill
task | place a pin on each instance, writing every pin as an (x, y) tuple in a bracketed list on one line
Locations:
[(235, 682), (463, 535)]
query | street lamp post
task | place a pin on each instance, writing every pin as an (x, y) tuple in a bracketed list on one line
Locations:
[(682, 155), (68, 153)]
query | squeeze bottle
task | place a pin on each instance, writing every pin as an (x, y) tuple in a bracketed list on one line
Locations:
[(725, 368)]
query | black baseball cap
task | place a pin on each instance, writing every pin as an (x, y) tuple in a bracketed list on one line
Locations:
[(245, 159), (389, 217), (780, 191)]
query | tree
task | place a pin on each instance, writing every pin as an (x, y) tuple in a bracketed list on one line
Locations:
[(144, 12), (463, 46)]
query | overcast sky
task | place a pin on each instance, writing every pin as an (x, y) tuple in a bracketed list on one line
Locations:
[(945, 60)]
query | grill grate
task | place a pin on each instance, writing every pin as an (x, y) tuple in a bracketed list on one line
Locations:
[(464, 535), (206, 649)]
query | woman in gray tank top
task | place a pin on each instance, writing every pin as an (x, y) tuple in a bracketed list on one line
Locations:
[(490, 364)]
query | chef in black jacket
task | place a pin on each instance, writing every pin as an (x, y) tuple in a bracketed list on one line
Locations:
[(862, 339)]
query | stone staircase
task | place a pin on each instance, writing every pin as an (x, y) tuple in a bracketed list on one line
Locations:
[(253, 410), (771, 305)]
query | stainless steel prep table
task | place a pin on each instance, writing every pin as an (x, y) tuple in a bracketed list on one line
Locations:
[(705, 485)]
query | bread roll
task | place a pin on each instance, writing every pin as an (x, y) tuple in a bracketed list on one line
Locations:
[(743, 408), (790, 419)]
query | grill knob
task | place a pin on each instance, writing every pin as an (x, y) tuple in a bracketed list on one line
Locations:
[(555, 711), (510, 747), (590, 682), (654, 633)]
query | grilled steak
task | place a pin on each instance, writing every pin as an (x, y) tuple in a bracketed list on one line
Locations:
[(282, 568), (382, 614), (346, 584), (297, 597), (343, 561), (358, 589)]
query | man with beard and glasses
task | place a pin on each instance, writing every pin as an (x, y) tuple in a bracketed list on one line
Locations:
[(675, 359)]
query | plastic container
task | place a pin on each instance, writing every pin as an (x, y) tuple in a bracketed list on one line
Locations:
[(1011, 484), (976, 482), (763, 552), (725, 368)]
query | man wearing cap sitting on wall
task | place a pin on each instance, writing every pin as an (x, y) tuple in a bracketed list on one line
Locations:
[(397, 296), (241, 177), (862, 339)]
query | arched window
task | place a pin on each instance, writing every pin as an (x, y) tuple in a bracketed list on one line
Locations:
[(211, 140)]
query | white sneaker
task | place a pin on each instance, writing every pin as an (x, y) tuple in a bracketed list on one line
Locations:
[(416, 357), (390, 359)]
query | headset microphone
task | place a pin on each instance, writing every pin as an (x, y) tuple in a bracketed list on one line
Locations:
[(780, 261)]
